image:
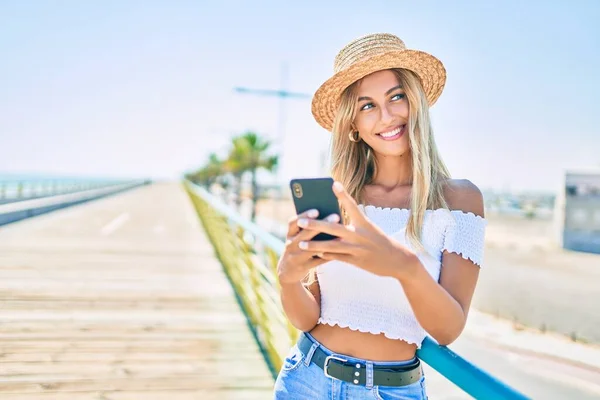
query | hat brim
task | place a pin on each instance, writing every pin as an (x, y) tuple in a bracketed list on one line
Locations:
[(429, 69)]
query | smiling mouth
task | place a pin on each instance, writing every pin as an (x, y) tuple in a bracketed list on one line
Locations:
[(393, 134)]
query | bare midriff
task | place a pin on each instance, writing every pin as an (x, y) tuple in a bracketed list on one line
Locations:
[(363, 345)]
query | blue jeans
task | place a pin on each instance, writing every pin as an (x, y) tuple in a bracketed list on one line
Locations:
[(299, 379)]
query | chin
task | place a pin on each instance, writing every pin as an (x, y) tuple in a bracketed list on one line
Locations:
[(392, 151), (395, 148)]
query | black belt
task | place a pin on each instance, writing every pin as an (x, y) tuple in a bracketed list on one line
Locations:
[(338, 367)]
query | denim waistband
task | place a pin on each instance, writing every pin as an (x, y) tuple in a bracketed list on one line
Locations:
[(359, 360)]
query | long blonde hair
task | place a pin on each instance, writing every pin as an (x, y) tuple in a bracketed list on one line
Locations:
[(354, 164)]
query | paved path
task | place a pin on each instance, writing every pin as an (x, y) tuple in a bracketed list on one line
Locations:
[(553, 290), (121, 298)]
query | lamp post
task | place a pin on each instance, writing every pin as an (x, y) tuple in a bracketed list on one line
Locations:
[(283, 95)]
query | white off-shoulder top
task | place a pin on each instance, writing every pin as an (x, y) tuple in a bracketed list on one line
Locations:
[(356, 299)]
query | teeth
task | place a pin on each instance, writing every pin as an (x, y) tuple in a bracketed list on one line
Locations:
[(392, 133)]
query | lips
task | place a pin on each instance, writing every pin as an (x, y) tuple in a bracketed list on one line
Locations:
[(394, 133)]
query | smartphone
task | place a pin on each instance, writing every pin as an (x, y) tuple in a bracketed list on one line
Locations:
[(317, 193)]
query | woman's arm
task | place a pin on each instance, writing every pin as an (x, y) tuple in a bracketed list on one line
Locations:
[(301, 299), (302, 304), (442, 308)]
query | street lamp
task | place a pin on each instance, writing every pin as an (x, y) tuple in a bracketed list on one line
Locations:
[(282, 94)]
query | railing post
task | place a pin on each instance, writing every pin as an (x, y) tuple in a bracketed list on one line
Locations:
[(246, 272), (258, 309)]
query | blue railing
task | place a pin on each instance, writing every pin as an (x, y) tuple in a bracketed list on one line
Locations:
[(20, 204), (18, 189), (452, 366)]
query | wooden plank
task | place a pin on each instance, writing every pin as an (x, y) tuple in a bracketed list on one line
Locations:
[(122, 298)]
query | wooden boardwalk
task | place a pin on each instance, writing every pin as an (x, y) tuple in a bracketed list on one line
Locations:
[(121, 298)]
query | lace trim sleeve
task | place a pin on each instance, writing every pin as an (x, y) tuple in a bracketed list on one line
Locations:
[(465, 235)]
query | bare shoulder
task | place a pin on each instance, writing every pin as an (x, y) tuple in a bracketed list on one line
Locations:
[(464, 195)]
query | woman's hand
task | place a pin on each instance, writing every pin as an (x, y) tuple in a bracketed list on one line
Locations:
[(361, 243), (295, 263)]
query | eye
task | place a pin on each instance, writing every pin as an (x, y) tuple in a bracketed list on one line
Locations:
[(398, 96), (364, 107)]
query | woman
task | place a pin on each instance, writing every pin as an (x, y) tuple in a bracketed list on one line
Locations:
[(410, 246)]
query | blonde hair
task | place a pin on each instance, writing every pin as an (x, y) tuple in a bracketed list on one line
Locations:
[(354, 164)]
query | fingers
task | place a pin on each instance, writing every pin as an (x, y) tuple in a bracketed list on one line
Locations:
[(330, 225), (315, 262), (297, 255), (303, 261), (329, 246), (293, 227), (348, 204), (295, 251), (303, 235), (297, 233), (347, 258)]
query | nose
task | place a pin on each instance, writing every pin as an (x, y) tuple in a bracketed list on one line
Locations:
[(386, 116)]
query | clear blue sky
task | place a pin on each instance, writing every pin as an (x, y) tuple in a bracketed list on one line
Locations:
[(144, 88)]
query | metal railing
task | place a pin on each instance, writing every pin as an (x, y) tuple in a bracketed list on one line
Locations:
[(249, 256), (22, 208), (27, 189)]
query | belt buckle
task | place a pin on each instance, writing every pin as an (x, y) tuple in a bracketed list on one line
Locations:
[(326, 364)]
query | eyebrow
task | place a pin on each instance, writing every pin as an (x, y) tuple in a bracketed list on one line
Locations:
[(386, 93)]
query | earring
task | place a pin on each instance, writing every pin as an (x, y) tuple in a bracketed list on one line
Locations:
[(352, 138)]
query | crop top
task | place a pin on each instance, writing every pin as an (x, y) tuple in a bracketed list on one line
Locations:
[(359, 300)]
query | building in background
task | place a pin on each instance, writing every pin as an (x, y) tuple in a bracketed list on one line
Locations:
[(578, 211)]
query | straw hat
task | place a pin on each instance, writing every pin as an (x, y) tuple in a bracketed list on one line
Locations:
[(369, 54)]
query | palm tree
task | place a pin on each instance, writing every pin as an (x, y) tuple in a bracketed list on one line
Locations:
[(249, 154), (198, 177), (215, 168), (236, 165), (210, 173)]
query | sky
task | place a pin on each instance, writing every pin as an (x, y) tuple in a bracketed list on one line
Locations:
[(146, 88)]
